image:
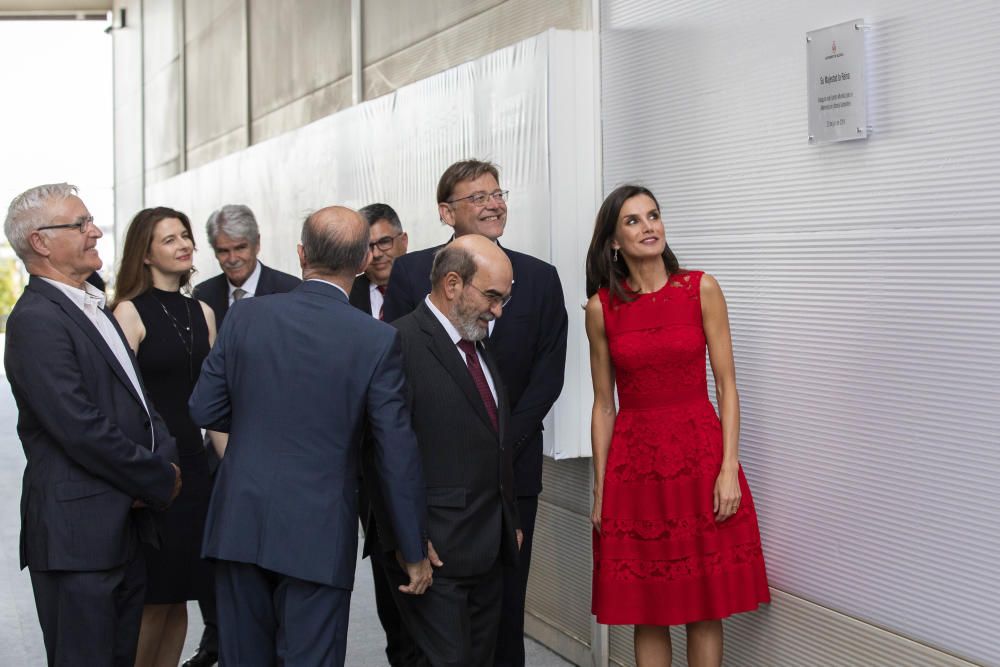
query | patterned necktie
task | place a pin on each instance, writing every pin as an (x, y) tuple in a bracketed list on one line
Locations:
[(381, 309), (479, 377), (239, 293)]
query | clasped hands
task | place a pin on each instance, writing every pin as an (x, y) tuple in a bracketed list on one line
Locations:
[(421, 573), (136, 504)]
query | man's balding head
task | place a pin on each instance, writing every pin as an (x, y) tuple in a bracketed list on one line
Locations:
[(334, 243), (471, 280)]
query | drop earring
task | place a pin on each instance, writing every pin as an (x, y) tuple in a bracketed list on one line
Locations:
[(615, 256)]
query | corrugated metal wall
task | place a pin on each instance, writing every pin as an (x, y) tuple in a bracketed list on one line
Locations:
[(862, 280)]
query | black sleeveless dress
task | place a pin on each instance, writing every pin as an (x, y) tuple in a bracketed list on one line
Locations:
[(170, 358)]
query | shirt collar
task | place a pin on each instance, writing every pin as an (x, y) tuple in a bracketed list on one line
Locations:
[(327, 282), (250, 285), (89, 295)]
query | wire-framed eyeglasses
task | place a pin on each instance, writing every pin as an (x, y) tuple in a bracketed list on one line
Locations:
[(83, 225), (494, 298), (480, 198)]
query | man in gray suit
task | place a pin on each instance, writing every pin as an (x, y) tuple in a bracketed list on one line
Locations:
[(294, 378), (98, 454)]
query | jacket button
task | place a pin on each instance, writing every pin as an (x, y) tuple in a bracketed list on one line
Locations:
[(145, 425)]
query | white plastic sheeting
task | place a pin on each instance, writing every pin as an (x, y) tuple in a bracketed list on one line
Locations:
[(393, 149)]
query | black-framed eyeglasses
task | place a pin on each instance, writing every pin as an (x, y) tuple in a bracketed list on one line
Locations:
[(384, 243), (83, 225), (480, 198), (495, 299)]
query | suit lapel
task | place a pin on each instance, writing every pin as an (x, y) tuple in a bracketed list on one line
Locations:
[(88, 328), (361, 297), (446, 352), (264, 282)]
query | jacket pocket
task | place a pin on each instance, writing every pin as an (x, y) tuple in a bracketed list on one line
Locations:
[(446, 496), (74, 490)]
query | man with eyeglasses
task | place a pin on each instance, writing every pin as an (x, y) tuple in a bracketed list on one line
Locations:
[(98, 455), (528, 342), (387, 241), (460, 415)]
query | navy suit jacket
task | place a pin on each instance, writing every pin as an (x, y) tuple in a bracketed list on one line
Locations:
[(215, 291), (86, 436), (528, 343), (294, 378), (472, 514)]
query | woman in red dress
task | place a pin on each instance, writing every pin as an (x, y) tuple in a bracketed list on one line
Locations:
[(675, 531)]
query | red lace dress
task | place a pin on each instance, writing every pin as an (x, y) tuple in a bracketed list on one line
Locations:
[(661, 558)]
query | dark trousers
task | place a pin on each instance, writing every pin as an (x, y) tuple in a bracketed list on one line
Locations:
[(400, 649), (210, 635), (266, 618), (455, 622), (510, 635), (91, 617)]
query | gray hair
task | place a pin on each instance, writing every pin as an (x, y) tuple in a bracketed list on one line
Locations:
[(234, 220), (29, 211), (332, 249), (453, 259), (375, 212)]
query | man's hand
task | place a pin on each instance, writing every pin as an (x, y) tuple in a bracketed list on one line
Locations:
[(138, 504), (421, 577), (432, 555), (177, 483), (520, 538), (421, 574)]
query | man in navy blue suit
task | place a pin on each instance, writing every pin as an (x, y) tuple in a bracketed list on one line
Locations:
[(528, 343), (97, 453), (294, 379), (235, 239)]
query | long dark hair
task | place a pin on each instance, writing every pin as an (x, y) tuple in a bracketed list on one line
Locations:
[(134, 277), (602, 269)]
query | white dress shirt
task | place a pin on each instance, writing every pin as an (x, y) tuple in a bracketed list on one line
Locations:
[(91, 301), (377, 299), (455, 337)]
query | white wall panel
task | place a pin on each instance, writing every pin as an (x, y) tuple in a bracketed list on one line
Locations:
[(863, 287)]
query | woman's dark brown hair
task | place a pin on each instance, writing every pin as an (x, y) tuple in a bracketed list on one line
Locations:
[(134, 277), (602, 269)]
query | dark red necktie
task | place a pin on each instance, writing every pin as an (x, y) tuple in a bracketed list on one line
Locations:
[(381, 309), (479, 377)]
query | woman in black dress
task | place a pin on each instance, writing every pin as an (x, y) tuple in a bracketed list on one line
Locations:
[(170, 334)]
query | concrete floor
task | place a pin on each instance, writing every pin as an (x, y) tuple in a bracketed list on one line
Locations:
[(21, 637)]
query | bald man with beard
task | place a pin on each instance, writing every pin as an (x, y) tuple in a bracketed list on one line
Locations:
[(460, 415), (295, 379)]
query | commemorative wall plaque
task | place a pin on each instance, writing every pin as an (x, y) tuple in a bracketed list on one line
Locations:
[(837, 101)]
